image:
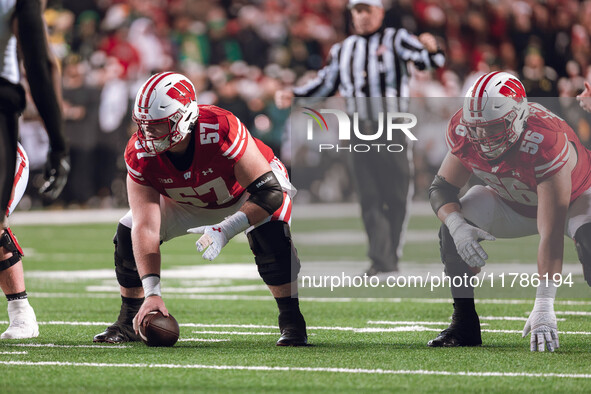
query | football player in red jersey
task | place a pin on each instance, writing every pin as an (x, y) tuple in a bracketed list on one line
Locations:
[(196, 169), (537, 180)]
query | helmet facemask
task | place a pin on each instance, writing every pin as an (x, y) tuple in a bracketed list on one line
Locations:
[(159, 135), (492, 139)]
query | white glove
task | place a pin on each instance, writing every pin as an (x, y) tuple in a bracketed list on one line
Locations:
[(215, 237), (466, 239), (542, 320)]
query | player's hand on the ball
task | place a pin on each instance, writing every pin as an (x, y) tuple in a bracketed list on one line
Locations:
[(213, 239), (153, 303)]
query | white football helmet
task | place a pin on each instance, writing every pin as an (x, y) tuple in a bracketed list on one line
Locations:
[(494, 112), (165, 98)]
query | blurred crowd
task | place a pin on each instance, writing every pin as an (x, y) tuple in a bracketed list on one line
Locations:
[(239, 52)]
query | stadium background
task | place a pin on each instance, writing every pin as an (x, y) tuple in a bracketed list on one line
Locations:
[(238, 53)]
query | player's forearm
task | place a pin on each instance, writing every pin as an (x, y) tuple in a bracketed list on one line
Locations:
[(550, 255), (146, 250), (254, 212), (446, 210)]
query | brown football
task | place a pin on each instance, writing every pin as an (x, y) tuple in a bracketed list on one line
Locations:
[(158, 330)]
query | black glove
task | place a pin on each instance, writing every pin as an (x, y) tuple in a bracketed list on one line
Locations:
[(56, 173)]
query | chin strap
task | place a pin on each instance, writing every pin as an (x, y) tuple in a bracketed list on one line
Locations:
[(8, 241)]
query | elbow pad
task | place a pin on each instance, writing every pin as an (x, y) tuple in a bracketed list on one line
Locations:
[(442, 192), (266, 192)]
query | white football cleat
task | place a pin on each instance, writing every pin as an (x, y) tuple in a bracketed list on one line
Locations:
[(23, 322)]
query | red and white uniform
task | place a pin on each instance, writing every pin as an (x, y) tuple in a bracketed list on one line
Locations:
[(207, 191), (21, 178), (542, 150)]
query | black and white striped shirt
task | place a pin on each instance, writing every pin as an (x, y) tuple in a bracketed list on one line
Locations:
[(372, 66)]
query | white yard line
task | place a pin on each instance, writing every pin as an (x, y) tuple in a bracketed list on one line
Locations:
[(425, 323), (300, 211), (202, 340), (302, 369), (14, 353), (235, 333), (189, 290), (573, 313), (521, 331), (406, 326), (227, 325), (68, 346)]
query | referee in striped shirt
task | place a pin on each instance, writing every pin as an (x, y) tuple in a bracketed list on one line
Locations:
[(374, 64)]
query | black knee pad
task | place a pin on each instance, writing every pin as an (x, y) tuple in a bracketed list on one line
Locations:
[(276, 257), (125, 266), (9, 242), (583, 244)]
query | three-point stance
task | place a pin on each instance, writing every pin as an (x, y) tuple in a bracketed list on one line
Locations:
[(196, 168), (537, 182)]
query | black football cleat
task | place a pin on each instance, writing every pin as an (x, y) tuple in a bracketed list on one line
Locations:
[(451, 337), (461, 332), (116, 334), (293, 329), (293, 337)]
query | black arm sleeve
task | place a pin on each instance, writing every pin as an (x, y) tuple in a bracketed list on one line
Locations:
[(442, 192), (266, 192), (38, 65)]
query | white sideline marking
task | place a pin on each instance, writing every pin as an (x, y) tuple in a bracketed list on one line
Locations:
[(14, 352), (112, 215), (67, 346), (303, 369), (203, 340)]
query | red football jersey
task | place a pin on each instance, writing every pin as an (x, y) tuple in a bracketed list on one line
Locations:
[(209, 182), (541, 151)]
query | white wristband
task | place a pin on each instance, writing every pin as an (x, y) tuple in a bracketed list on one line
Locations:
[(151, 285), (234, 224), (545, 294)]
